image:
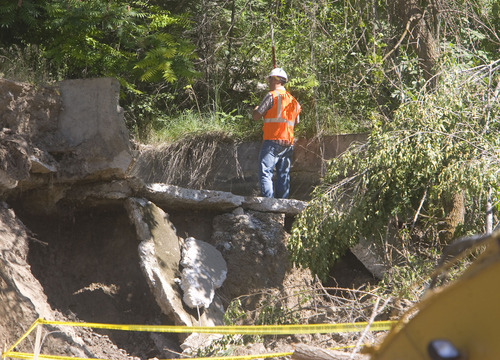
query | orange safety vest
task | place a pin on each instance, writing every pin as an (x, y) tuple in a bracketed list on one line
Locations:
[(279, 120)]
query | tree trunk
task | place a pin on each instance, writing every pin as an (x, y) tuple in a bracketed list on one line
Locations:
[(454, 209), (423, 24)]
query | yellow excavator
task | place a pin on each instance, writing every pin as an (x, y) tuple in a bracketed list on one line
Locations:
[(459, 320)]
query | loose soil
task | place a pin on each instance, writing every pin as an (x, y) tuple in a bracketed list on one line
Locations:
[(87, 263)]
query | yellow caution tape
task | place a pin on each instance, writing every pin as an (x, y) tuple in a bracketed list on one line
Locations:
[(32, 327), (21, 355), (241, 329), (28, 356)]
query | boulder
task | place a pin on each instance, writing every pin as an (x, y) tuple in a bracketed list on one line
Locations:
[(254, 247), (204, 271), (160, 257)]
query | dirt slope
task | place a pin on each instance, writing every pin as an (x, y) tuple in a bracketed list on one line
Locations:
[(69, 251)]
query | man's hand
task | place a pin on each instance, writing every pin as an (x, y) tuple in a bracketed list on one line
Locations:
[(256, 115)]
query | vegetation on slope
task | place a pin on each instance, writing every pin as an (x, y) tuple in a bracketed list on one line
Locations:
[(420, 76)]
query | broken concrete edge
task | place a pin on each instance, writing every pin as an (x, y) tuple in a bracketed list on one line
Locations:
[(173, 196), (160, 265), (366, 252)]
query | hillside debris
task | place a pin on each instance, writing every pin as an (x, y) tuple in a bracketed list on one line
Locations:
[(23, 300), (254, 246), (19, 287), (75, 127), (307, 352), (160, 257), (204, 271), (66, 155)]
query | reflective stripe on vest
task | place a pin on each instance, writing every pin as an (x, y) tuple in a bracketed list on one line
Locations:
[(279, 111), (279, 120)]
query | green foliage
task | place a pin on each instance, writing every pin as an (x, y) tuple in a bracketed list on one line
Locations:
[(221, 347), (26, 64), (234, 313), (441, 143), (189, 122), (128, 40), (407, 281), (273, 312), (335, 53), (17, 22)]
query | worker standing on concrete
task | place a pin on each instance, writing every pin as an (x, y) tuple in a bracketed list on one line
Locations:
[(281, 112)]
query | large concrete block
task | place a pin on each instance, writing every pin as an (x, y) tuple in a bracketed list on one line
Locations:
[(92, 124)]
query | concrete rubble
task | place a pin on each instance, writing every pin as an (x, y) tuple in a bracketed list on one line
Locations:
[(160, 254), (204, 271)]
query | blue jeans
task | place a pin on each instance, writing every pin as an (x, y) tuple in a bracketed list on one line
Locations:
[(274, 155)]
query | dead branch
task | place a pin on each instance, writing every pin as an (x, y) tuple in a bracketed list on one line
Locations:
[(307, 352)]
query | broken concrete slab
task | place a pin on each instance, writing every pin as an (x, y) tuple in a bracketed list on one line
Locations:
[(204, 271), (160, 269), (368, 254), (280, 206), (179, 197), (42, 162), (160, 256), (38, 166), (91, 122), (172, 196)]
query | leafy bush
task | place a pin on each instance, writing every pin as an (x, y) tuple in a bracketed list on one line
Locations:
[(399, 182)]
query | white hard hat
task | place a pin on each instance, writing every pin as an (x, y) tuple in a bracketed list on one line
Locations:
[(279, 72)]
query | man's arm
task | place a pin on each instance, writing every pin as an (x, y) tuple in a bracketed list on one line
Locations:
[(266, 104), (256, 115)]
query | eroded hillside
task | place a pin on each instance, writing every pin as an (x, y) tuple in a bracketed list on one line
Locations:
[(81, 206)]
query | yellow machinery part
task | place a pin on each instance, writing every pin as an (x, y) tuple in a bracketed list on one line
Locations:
[(466, 313)]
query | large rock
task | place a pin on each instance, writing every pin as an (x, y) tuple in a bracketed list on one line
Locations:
[(254, 247), (160, 256), (92, 124), (22, 297), (204, 271)]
